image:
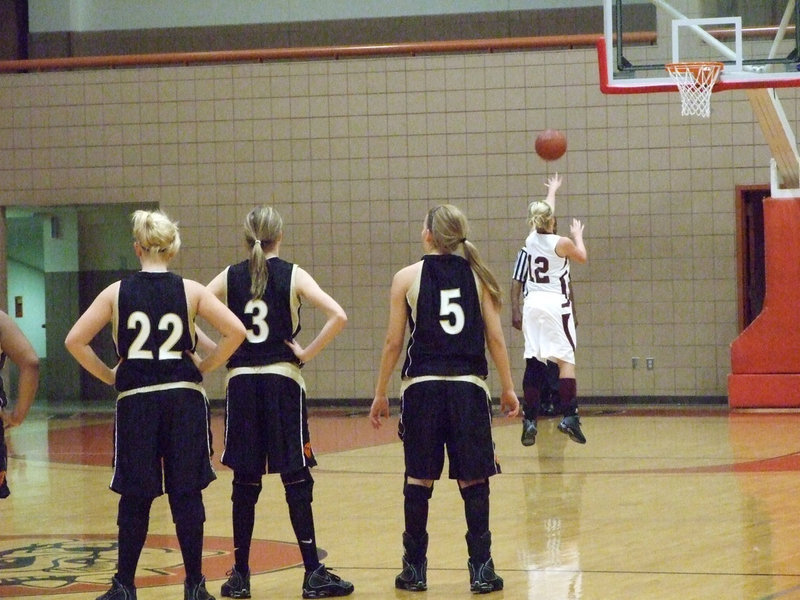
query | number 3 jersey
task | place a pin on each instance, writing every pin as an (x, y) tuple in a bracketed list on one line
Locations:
[(269, 320), (445, 319), (152, 332)]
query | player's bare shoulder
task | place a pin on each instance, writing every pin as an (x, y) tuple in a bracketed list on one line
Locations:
[(195, 292), (403, 279)]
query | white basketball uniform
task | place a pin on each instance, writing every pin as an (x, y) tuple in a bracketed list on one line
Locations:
[(547, 321)]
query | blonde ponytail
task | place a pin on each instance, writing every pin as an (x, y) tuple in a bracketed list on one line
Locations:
[(263, 227), (449, 229)]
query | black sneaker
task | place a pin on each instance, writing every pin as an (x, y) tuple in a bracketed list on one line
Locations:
[(547, 409), (197, 591), (528, 432), (321, 583), (413, 577), (482, 578), (119, 591), (572, 427), (238, 584)]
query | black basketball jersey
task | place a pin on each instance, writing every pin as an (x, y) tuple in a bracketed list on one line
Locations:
[(444, 316), (153, 332), (269, 320)]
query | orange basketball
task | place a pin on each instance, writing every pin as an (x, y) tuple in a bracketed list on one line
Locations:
[(551, 144)]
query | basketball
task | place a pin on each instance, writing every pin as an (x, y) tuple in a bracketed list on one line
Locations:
[(551, 144)]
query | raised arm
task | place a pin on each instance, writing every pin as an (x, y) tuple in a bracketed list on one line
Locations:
[(22, 354), (573, 248), (308, 289), (552, 185)]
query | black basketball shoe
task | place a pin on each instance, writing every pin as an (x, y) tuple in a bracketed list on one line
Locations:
[(238, 584), (119, 591), (571, 425), (482, 578), (321, 583)]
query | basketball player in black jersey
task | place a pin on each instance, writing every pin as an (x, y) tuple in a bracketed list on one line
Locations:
[(162, 412), (452, 305), (15, 346), (266, 428)]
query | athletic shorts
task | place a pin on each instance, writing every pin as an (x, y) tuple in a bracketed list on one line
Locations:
[(456, 414), (162, 436), (266, 424), (548, 327), (4, 492)]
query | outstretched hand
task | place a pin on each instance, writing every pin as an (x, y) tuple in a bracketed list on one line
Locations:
[(576, 229), (553, 183)]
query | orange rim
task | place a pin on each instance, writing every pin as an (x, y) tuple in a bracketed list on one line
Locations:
[(697, 69)]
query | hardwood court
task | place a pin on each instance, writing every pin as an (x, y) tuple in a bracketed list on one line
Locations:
[(694, 503)]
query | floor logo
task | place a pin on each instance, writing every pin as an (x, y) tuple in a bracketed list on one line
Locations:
[(40, 565)]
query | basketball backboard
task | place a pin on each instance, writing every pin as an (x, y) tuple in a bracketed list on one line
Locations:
[(757, 42)]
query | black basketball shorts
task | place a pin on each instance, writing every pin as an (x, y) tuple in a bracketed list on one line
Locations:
[(266, 425), (162, 435), (444, 413)]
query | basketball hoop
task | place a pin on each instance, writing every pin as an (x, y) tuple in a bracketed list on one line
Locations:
[(695, 81)]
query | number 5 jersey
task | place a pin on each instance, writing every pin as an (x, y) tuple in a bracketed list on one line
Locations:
[(445, 319)]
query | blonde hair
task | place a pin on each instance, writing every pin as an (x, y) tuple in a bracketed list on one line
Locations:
[(155, 233), (540, 214), (449, 229), (263, 227)]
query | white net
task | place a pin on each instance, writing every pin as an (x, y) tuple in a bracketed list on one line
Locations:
[(695, 82)]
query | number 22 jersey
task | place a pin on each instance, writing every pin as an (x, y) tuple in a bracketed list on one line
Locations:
[(152, 331)]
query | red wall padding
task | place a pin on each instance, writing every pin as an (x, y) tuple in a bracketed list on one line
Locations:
[(765, 358)]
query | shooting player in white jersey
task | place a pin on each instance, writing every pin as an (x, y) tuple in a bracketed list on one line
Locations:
[(548, 322)]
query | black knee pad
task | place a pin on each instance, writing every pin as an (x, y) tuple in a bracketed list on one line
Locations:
[(246, 490), (187, 507), (299, 486), (477, 491), (133, 510), (412, 491)]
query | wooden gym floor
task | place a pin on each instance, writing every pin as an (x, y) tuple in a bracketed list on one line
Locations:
[(680, 503)]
